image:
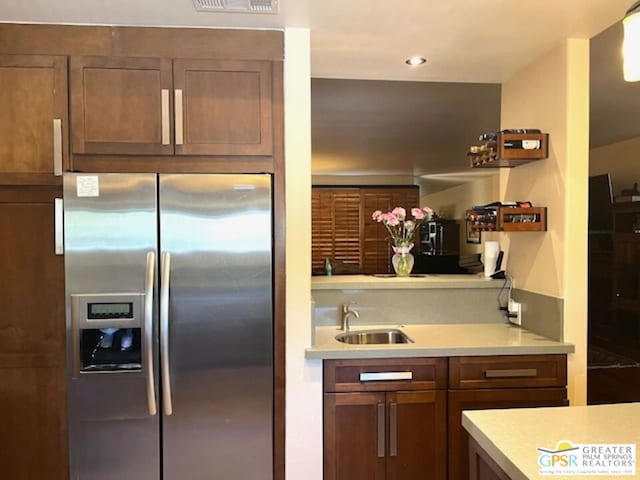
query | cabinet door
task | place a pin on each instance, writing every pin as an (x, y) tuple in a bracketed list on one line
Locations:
[(33, 118), (32, 332), (121, 106), (223, 107), (354, 436), (417, 435), (485, 399)]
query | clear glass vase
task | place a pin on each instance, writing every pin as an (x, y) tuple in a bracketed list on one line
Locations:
[(402, 260)]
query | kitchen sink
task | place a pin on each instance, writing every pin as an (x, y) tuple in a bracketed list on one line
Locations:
[(374, 337)]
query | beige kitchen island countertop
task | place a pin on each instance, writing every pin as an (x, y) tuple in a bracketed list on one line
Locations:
[(439, 340), (511, 437)]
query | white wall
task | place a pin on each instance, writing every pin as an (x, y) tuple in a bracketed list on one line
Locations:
[(304, 378), (552, 94)]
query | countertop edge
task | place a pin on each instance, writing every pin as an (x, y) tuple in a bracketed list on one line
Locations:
[(492, 449), (384, 351), (361, 282)]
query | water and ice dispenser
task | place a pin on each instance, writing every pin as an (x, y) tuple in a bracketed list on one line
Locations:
[(108, 332)]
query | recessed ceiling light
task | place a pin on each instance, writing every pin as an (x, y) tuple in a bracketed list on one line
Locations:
[(415, 60)]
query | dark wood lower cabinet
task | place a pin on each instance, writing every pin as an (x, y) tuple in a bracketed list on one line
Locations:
[(33, 436), (417, 433), (385, 436), (481, 466), (459, 400), (354, 425), (388, 428), (401, 418)]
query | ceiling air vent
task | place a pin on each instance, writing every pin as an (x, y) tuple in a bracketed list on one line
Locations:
[(237, 6)]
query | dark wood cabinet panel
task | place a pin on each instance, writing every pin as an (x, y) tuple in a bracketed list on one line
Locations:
[(33, 95), (32, 345), (226, 107), (481, 466), (117, 105), (354, 436), (157, 106), (508, 371), (424, 374), (417, 430), (459, 400)]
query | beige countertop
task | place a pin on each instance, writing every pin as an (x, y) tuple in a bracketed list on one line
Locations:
[(361, 282), (511, 437), (439, 340)]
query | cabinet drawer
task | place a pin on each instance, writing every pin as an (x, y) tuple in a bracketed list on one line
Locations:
[(506, 371), (385, 374)]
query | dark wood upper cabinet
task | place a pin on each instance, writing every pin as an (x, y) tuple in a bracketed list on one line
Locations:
[(223, 107), (33, 118), (121, 106), (154, 106)]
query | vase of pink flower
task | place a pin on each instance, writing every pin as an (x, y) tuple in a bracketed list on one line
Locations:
[(402, 230)]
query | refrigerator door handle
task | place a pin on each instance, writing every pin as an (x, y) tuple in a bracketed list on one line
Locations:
[(148, 332), (164, 333)]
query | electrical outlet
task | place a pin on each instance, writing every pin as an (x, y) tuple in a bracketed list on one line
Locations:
[(514, 312)]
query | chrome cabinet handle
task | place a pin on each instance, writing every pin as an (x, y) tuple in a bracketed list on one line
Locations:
[(148, 332), (516, 372), (178, 120), (381, 447), (382, 376), (164, 95), (164, 333), (58, 228), (393, 429), (57, 147)]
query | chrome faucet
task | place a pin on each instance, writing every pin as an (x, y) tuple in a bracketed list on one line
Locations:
[(346, 313)]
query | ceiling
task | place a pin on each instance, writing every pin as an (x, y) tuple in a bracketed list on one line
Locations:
[(463, 40), (403, 125)]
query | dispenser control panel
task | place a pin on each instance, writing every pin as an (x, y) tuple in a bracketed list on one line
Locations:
[(108, 332)]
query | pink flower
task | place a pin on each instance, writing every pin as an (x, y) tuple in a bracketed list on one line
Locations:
[(417, 213), (399, 212), (376, 215), (391, 219)]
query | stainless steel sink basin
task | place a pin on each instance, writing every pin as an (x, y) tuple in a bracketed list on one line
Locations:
[(374, 337)]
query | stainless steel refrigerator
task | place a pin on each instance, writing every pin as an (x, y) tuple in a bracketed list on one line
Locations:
[(169, 326)]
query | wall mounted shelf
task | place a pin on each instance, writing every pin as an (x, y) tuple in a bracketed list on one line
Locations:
[(508, 219), (508, 150)]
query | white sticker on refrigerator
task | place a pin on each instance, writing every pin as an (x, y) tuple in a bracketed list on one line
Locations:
[(87, 186)]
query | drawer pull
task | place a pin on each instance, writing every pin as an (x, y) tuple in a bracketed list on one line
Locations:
[(518, 372), (393, 429), (164, 101), (381, 433), (382, 376), (57, 147)]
